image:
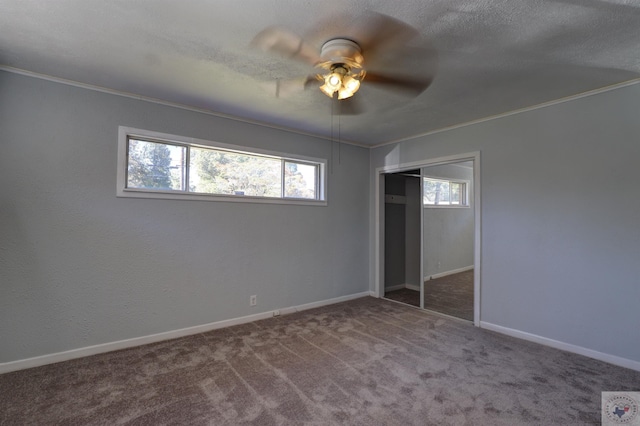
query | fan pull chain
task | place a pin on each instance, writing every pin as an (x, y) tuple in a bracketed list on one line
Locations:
[(339, 140), (331, 142)]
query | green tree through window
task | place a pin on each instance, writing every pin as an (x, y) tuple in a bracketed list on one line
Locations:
[(165, 166), (149, 165), (217, 172), (440, 192)]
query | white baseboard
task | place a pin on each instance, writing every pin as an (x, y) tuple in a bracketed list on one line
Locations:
[(611, 359), (444, 274), (38, 361), (401, 286), (395, 287)]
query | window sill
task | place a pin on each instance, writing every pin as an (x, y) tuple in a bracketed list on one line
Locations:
[(446, 207), (168, 195)]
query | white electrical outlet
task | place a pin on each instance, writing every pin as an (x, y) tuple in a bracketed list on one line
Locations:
[(253, 300), (276, 313)]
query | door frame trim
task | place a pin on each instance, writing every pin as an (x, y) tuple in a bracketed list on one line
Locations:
[(379, 221)]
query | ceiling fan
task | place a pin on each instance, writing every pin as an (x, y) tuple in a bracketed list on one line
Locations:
[(348, 53)]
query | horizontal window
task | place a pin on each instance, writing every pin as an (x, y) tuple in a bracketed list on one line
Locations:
[(444, 193), (154, 165)]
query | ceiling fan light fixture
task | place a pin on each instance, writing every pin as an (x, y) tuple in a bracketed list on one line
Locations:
[(333, 81), (342, 62), (350, 85), (327, 90), (344, 94)]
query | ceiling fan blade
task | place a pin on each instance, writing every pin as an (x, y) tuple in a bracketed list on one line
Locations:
[(287, 44), (287, 88), (406, 85), (389, 61), (411, 69), (421, 59), (376, 32)]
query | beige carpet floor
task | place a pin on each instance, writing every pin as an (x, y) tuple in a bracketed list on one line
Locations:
[(450, 295), (404, 295), (364, 362)]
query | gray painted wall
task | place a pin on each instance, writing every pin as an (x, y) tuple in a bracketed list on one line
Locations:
[(560, 222), (448, 232), (80, 267)]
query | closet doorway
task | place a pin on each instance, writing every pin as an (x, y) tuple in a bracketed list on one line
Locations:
[(402, 211), (428, 235)]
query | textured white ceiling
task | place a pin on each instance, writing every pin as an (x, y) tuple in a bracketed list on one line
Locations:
[(494, 56)]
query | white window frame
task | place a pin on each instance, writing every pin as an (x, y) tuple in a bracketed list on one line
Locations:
[(466, 183), (124, 133)]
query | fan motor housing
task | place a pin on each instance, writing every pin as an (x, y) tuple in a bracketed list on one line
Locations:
[(341, 51)]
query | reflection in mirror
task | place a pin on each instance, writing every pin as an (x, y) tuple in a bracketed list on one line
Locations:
[(448, 239)]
